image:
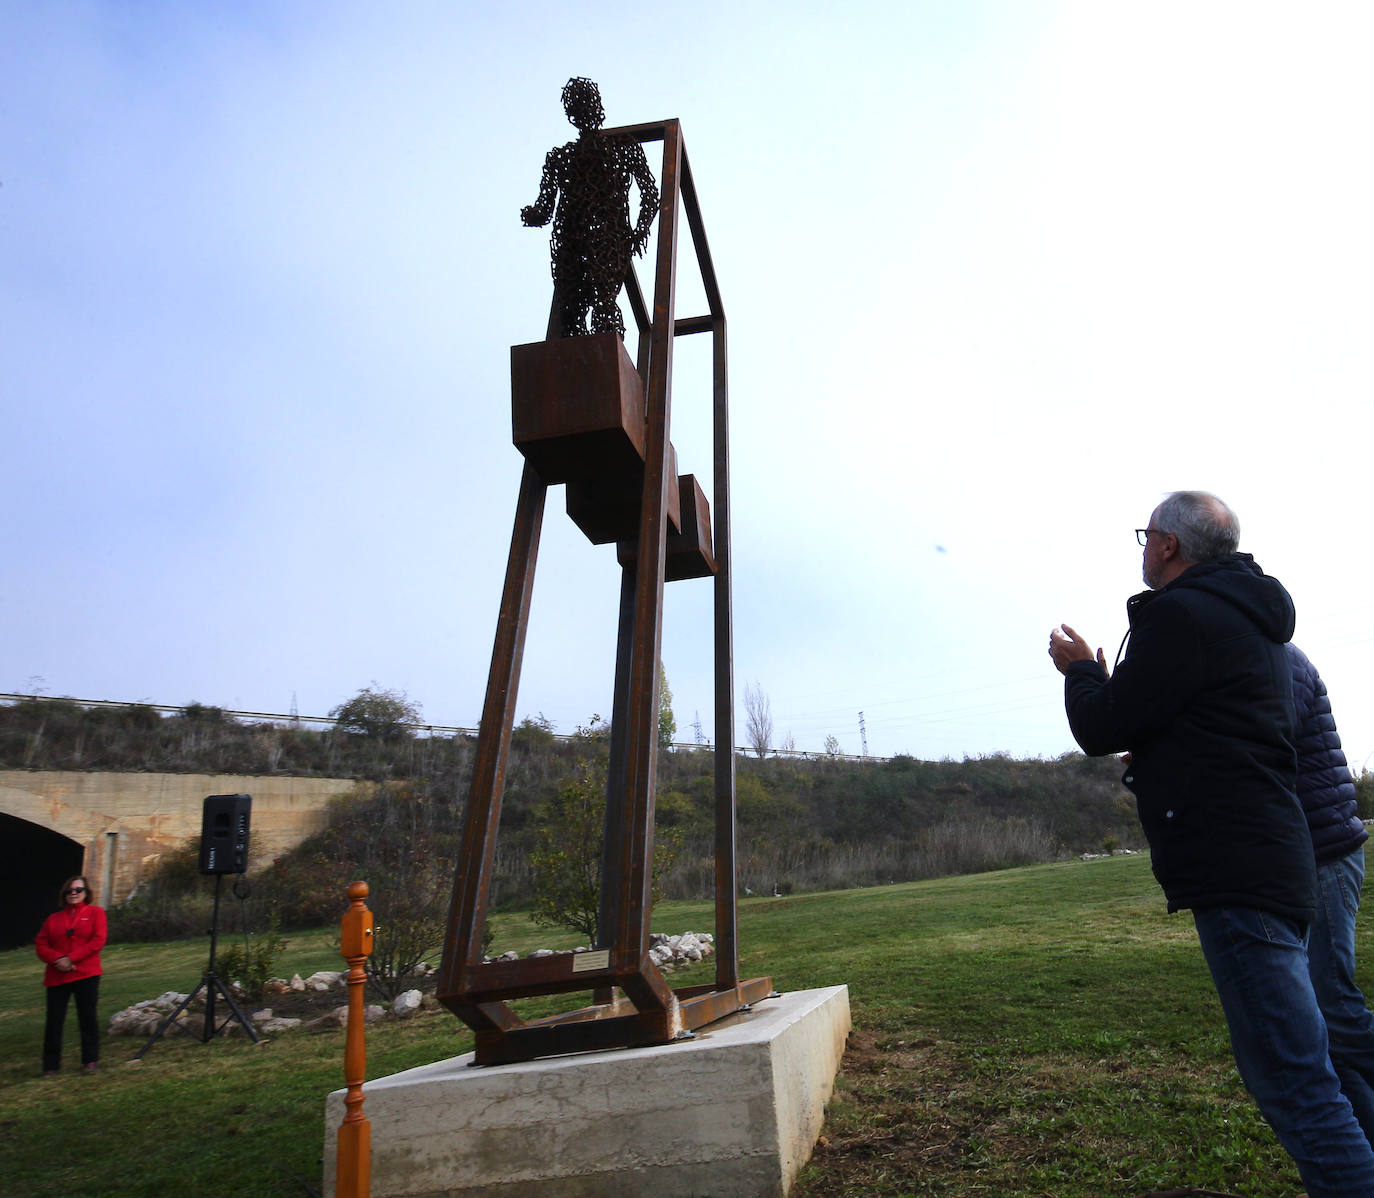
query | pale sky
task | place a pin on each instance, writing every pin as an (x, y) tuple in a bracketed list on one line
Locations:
[(997, 276)]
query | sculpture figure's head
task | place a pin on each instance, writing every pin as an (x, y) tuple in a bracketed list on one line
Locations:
[(582, 103)]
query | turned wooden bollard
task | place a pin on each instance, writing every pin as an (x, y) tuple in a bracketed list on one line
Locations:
[(353, 1178)]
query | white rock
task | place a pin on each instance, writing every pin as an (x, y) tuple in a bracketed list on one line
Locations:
[(297, 982), (371, 1013), (407, 1004), (325, 979)]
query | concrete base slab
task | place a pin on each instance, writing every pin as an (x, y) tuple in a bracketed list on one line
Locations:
[(732, 1113)]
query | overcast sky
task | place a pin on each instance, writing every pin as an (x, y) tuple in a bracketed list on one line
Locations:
[(997, 276)]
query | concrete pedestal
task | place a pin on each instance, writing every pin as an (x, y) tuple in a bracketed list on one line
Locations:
[(732, 1113)]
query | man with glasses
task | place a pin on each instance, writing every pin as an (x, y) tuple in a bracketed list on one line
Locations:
[(1202, 705)]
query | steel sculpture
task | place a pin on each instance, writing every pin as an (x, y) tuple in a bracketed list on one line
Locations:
[(586, 415), (592, 240)]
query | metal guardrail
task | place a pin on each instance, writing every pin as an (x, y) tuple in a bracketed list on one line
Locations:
[(418, 729)]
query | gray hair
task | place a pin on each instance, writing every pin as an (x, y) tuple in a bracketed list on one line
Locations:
[(1205, 527)]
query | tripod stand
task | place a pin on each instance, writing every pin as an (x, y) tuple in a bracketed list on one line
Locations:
[(212, 985)]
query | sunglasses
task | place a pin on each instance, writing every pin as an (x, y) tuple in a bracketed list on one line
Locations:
[(75, 890)]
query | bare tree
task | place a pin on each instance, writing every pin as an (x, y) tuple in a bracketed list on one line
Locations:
[(758, 718)]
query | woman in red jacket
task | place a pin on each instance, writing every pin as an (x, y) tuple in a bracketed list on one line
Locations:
[(70, 944)]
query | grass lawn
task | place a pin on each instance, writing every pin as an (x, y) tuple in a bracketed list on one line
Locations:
[(1042, 1031)]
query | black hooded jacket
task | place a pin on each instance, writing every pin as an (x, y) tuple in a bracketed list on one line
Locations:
[(1203, 703)]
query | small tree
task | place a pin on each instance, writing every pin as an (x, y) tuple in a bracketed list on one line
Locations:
[(410, 925), (533, 733), (832, 745), (667, 725), (566, 858), (758, 718), (378, 713)]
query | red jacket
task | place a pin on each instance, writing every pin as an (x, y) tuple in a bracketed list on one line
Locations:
[(77, 932)]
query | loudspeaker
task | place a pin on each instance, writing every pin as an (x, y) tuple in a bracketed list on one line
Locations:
[(224, 834)]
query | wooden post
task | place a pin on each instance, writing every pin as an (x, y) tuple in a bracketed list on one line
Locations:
[(353, 1177)]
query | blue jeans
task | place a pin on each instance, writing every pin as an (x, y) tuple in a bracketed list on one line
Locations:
[(1331, 961), (1259, 965)]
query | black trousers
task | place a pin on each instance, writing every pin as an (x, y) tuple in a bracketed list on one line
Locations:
[(85, 992)]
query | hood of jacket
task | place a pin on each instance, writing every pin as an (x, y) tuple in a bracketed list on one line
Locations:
[(1240, 582)]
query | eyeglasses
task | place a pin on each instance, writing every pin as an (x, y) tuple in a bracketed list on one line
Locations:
[(75, 890), (1142, 535)]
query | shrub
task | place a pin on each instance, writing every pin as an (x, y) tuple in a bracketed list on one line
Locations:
[(408, 928), (250, 961)]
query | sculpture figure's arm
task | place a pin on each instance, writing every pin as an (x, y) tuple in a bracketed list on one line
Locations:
[(541, 210), (648, 198)]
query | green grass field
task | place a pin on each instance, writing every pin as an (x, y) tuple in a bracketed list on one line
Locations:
[(1041, 1031)]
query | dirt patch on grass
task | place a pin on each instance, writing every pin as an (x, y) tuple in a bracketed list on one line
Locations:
[(921, 1116), (904, 1110)]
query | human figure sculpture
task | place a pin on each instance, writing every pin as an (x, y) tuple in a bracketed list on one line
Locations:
[(592, 240)]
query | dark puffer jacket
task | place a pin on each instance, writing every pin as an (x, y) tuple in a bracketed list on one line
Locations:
[(1325, 788), (1203, 702)]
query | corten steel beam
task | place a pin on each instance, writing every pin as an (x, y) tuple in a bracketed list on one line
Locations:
[(478, 991), (641, 315), (727, 936), (693, 324), (472, 884), (632, 928), (727, 932), (613, 852)]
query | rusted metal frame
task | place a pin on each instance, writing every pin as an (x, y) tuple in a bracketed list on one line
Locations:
[(472, 885), (551, 330), (645, 131), (642, 740), (486, 988), (706, 1008), (586, 1014), (648, 131), (749, 992), (613, 879), (687, 325), (727, 937), (699, 243), (527, 975), (727, 923), (641, 314), (660, 1012), (727, 933), (551, 1039)]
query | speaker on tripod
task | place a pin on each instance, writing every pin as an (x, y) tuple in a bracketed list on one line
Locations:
[(224, 828), (225, 820)]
